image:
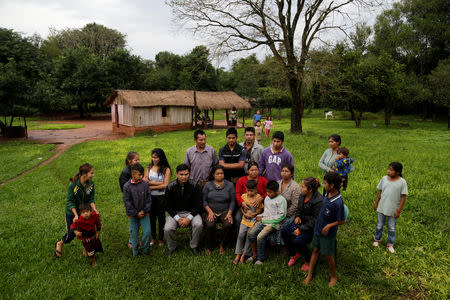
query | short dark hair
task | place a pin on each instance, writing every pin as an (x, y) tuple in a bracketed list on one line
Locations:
[(231, 130), (272, 185), (278, 135), (343, 150), (182, 167), (336, 138), (198, 132), (137, 167), (333, 178), (289, 167), (258, 121), (251, 185), (84, 206), (249, 129), (398, 167)]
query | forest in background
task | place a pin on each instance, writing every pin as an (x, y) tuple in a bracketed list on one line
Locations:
[(399, 65)]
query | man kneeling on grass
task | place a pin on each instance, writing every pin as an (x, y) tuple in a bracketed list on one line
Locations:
[(325, 230)]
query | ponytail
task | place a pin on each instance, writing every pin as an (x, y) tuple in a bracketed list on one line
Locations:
[(84, 169), (130, 156), (311, 183)]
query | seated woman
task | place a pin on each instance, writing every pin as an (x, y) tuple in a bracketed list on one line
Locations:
[(219, 201), (290, 190), (253, 174), (299, 233)]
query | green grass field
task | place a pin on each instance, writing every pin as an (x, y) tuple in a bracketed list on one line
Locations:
[(19, 156), (32, 219), (53, 126)]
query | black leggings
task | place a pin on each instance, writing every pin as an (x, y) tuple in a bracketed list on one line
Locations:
[(157, 212)]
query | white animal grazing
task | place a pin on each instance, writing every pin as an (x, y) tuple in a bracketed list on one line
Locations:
[(329, 114)]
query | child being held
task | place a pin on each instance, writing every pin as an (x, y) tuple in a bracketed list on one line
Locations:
[(258, 131), (268, 222), (392, 191), (137, 200), (343, 165), (249, 213), (87, 229), (325, 230)]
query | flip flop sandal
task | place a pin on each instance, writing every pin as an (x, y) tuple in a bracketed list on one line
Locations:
[(58, 254), (235, 261)]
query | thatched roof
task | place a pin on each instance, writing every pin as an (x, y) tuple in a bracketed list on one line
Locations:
[(205, 100)]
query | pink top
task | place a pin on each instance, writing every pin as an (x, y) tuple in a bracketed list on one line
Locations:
[(267, 124)]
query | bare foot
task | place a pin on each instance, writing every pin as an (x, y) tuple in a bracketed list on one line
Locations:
[(307, 280), (208, 252), (130, 245), (84, 252), (221, 250), (93, 263), (242, 260), (160, 243), (332, 282), (58, 248)]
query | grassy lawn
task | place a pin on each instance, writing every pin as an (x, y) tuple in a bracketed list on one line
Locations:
[(53, 126), (32, 219), (18, 156)]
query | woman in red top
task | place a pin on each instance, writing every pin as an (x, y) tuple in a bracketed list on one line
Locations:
[(253, 174)]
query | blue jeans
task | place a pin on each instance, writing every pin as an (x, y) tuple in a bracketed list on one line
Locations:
[(134, 225), (391, 223), (259, 234), (70, 235)]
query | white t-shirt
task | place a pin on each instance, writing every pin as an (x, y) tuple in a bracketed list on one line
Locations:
[(391, 192)]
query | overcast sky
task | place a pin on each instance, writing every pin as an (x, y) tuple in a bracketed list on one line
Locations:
[(147, 24)]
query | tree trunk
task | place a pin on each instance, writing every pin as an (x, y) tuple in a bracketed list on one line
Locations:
[(297, 105), (387, 116), (81, 110), (352, 114), (358, 120), (448, 117), (10, 123)]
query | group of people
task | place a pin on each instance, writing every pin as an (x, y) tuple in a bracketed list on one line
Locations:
[(250, 191)]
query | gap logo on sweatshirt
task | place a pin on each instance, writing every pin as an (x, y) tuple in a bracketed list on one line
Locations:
[(273, 159)]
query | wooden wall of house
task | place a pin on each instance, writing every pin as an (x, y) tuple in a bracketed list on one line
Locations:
[(124, 113), (152, 116)]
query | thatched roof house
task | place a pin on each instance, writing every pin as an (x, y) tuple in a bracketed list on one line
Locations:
[(134, 111)]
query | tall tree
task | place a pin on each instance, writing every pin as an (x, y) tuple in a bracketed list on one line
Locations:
[(20, 68), (97, 38), (81, 75), (286, 27), (440, 82)]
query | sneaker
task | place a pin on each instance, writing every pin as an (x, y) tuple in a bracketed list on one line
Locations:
[(293, 259), (249, 260), (258, 262), (160, 243), (391, 248), (305, 267), (152, 242), (376, 243)]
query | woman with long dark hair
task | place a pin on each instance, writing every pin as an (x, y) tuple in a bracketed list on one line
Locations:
[(157, 174)]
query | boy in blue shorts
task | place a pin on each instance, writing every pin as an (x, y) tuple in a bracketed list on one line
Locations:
[(325, 230)]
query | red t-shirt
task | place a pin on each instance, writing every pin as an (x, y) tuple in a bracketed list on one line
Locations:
[(242, 189), (87, 227)]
